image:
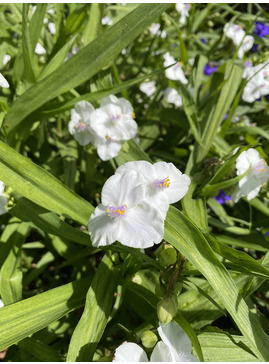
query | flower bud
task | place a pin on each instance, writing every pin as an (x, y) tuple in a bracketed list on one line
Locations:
[(168, 256), (148, 339), (167, 309)]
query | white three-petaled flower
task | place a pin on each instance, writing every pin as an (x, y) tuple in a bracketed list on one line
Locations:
[(175, 72), (148, 88), (174, 347), (124, 215), (258, 82), (164, 183), (79, 125), (250, 185), (183, 9), (172, 96), (237, 34)]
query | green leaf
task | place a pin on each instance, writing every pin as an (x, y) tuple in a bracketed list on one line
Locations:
[(41, 187), (35, 313), (11, 274), (183, 235), (40, 350), (97, 309), (83, 65)]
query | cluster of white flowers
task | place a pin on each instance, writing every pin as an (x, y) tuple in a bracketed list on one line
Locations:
[(258, 82), (183, 9), (175, 346), (134, 204), (237, 34), (105, 127), (258, 174), (175, 72), (3, 199)]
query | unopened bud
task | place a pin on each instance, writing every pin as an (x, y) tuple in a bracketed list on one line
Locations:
[(167, 309), (148, 339), (168, 257)]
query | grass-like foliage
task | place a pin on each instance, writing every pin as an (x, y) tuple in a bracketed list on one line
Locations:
[(134, 199)]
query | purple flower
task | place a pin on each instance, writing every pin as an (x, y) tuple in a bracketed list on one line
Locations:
[(222, 197), (267, 233), (203, 40), (225, 116), (209, 69), (262, 30), (254, 48)]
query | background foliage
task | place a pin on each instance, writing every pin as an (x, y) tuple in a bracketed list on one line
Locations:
[(49, 270)]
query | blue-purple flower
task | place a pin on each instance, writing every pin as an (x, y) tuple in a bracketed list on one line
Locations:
[(222, 197), (261, 30), (209, 69)]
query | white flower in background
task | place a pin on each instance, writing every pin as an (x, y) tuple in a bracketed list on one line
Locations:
[(175, 72), (191, 61), (52, 28), (183, 9), (45, 21), (79, 125), (106, 20), (148, 88), (155, 30), (237, 34), (124, 215), (258, 82), (172, 96), (1, 303), (174, 347), (6, 59), (164, 183), (39, 49), (250, 185), (3, 199), (112, 123), (3, 81)]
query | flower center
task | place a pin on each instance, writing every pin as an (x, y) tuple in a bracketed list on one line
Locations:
[(114, 117), (162, 183), (133, 115), (113, 211), (110, 139), (80, 126), (259, 167)]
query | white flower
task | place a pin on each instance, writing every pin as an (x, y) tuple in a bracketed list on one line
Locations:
[(124, 215), (112, 123), (183, 9), (164, 183), (1, 303), (237, 34), (3, 199), (106, 20), (250, 185), (148, 88), (6, 59), (39, 49), (175, 72), (3, 81), (155, 30), (52, 28), (172, 96), (174, 347), (79, 125), (258, 84)]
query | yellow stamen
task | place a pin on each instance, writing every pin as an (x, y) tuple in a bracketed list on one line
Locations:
[(133, 115)]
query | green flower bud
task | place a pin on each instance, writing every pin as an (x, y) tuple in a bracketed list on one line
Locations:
[(115, 258), (148, 339), (168, 256), (160, 290), (167, 309), (177, 289)]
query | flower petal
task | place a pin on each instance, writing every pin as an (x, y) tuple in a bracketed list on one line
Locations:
[(3, 81), (130, 352), (84, 108), (175, 338), (122, 189), (103, 230), (161, 353), (108, 149)]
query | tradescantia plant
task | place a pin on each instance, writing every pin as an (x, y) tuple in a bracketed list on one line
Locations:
[(134, 182)]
